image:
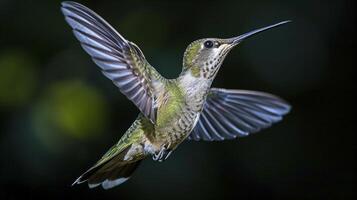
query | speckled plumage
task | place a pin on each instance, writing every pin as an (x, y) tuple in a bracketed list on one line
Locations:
[(171, 109)]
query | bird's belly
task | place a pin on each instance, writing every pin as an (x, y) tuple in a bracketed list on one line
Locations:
[(179, 128)]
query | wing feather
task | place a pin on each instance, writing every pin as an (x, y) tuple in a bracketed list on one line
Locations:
[(228, 114), (120, 60)]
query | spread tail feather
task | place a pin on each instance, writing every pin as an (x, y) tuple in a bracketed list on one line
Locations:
[(109, 174)]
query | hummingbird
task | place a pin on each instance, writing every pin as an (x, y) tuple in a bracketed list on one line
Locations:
[(171, 110)]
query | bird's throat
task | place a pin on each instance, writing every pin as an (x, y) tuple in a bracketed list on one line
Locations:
[(193, 86)]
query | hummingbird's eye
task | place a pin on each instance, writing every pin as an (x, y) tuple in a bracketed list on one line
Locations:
[(208, 44)]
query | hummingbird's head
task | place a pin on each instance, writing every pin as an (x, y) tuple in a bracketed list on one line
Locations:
[(204, 57)]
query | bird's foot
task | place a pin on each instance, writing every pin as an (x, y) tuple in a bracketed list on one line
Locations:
[(163, 154)]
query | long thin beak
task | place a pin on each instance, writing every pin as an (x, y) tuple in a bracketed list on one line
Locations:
[(236, 40)]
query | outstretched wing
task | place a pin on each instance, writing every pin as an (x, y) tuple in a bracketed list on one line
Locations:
[(228, 114), (120, 60)]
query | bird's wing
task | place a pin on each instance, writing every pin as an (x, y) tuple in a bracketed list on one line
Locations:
[(228, 114), (120, 60)]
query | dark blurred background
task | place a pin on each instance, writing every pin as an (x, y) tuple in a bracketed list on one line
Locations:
[(59, 114)]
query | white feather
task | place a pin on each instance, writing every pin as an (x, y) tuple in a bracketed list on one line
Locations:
[(107, 184)]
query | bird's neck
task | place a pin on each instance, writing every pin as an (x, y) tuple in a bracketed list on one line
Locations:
[(195, 88)]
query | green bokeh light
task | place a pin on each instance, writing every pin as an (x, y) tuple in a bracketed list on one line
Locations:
[(69, 110), (77, 108), (17, 78)]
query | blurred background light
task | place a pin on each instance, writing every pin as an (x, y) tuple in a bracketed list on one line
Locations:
[(75, 108), (18, 77)]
